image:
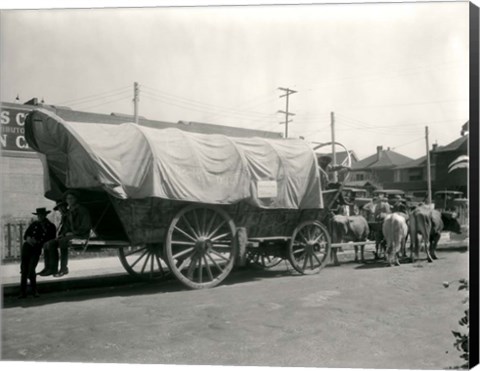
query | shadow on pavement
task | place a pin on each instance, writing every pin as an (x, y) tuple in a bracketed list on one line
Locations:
[(106, 287)]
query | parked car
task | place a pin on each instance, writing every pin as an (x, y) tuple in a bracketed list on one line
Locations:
[(389, 194), (445, 200), (358, 196)]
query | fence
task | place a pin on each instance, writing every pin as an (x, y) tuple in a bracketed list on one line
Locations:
[(13, 230)]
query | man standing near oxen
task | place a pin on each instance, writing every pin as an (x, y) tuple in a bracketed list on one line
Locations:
[(35, 236), (382, 209)]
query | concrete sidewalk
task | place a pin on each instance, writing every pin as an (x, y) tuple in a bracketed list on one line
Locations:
[(108, 271), (82, 273)]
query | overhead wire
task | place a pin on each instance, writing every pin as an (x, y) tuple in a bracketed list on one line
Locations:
[(81, 100), (205, 111), (405, 144), (194, 103), (387, 75), (109, 102)]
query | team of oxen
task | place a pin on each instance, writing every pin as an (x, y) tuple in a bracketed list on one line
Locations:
[(390, 226)]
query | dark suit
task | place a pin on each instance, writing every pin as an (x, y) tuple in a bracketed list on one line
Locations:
[(30, 254), (77, 224)]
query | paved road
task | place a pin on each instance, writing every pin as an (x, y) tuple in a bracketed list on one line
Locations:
[(355, 316)]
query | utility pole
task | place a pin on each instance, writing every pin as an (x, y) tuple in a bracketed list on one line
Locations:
[(136, 92), (334, 154), (288, 92), (429, 176)]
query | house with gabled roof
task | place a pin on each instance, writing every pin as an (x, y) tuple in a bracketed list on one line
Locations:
[(379, 168), (412, 176), (442, 157)]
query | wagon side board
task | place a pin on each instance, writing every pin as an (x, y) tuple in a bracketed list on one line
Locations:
[(147, 220)]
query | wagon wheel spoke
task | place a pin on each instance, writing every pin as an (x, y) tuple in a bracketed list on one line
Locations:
[(191, 267), (317, 259), (200, 269), (305, 261), (210, 224), (159, 263), (196, 224), (301, 249), (310, 256), (216, 229), (143, 262), (185, 233), (204, 222), (219, 255), (135, 251), (184, 263), (214, 262), (180, 254), (189, 226), (305, 239), (139, 258), (209, 270)]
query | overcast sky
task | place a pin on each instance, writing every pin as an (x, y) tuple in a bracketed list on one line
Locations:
[(386, 70)]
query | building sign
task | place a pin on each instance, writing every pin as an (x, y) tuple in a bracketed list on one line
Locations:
[(13, 129)]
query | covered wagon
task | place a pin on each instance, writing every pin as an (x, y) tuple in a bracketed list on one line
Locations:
[(190, 203)]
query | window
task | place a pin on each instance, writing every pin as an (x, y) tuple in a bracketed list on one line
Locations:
[(359, 177), (415, 175), (397, 176)]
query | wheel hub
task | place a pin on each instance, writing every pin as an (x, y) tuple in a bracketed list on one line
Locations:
[(203, 245)]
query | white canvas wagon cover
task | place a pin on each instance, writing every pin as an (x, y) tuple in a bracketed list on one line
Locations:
[(130, 161)]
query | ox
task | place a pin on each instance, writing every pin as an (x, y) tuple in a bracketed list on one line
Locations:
[(382, 209), (429, 224), (395, 230), (349, 228)]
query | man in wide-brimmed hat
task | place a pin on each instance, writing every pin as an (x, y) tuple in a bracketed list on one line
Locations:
[(39, 232), (399, 205), (78, 225), (62, 207)]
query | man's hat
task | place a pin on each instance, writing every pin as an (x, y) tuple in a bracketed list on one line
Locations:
[(58, 204), (41, 211), (71, 192)]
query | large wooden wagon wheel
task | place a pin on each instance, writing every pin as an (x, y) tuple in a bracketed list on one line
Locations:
[(143, 261), (200, 246), (309, 247)]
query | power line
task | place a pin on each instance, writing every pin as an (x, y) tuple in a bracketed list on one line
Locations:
[(205, 108), (210, 107), (389, 74), (191, 108), (411, 142), (79, 101), (128, 96)]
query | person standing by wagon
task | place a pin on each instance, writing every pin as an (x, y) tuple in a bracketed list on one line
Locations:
[(79, 225), (35, 236)]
